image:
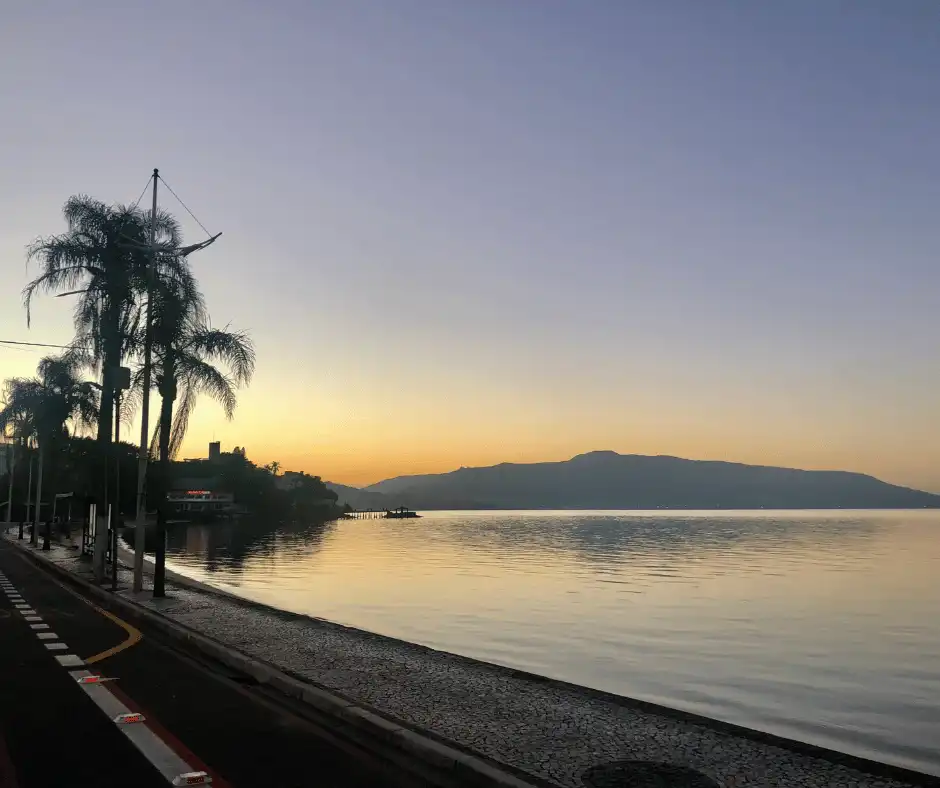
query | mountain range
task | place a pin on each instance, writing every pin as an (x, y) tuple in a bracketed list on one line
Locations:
[(608, 480)]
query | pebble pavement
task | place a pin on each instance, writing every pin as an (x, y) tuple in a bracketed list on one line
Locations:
[(546, 729)]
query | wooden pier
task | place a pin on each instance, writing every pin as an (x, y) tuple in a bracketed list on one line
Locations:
[(381, 514), (369, 514)]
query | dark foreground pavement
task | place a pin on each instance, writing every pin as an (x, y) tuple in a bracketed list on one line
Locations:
[(53, 734)]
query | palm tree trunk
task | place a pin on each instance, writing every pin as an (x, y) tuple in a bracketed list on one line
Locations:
[(111, 360), (29, 487), (52, 449), (12, 457), (36, 516), (167, 396)]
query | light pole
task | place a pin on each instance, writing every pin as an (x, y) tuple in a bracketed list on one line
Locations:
[(122, 381), (141, 518)]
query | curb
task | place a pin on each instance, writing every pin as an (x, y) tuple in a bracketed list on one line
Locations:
[(366, 726)]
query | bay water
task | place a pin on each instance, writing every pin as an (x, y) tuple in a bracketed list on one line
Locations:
[(822, 626)]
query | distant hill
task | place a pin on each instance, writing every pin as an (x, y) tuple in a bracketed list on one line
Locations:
[(608, 480), (359, 499)]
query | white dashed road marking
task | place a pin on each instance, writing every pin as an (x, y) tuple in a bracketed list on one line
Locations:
[(152, 747)]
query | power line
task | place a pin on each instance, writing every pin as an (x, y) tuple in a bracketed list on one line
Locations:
[(36, 344), (184, 205), (137, 201)]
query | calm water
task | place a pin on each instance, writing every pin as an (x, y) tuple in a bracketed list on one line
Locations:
[(821, 626)]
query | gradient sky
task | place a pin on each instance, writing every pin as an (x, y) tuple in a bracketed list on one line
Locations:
[(468, 232)]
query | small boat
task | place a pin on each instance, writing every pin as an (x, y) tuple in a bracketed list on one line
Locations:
[(400, 513)]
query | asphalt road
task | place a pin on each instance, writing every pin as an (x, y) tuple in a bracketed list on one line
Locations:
[(53, 734)]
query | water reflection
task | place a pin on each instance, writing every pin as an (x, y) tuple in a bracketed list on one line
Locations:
[(225, 546), (816, 625)]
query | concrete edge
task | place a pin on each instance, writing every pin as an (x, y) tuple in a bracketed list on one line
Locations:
[(480, 765), (465, 765)]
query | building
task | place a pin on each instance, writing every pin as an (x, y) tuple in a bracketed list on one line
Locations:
[(200, 496)]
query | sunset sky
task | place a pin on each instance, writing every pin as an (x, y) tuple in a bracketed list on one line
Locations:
[(469, 232)]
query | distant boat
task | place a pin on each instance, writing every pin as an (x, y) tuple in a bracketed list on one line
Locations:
[(400, 513)]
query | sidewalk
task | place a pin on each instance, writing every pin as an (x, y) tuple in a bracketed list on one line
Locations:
[(56, 732), (548, 729)]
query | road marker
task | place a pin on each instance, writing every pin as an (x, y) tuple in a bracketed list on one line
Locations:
[(129, 717), (47, 635), (39, 626), (56, 646), (193, 778), (92, 679), (69, 661), (33, 618)]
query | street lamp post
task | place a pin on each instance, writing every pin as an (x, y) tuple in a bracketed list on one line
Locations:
[(139, 534)]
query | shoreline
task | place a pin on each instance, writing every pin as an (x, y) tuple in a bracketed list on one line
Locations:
[(545, 692)]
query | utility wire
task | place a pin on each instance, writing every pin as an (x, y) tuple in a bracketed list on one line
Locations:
[(137, 201), (37, 344), (184, 205)]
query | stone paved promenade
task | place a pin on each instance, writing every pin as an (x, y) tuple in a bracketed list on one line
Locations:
[(550, 730)]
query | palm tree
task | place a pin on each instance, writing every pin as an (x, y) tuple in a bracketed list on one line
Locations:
[(103, 256), (186, 351), (46, 406)]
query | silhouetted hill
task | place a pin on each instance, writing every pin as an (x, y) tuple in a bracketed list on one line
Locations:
[(360, 499), (607, 480)]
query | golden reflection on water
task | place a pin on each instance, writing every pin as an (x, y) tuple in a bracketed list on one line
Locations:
[(822, 626)]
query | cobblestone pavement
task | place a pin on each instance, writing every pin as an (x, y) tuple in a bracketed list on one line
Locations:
[(552, 731)]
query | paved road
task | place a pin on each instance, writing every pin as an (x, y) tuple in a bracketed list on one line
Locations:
[(56, 732)]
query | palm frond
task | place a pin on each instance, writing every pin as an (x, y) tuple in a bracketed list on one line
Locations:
[(233, 348), (201, 377), (184, 409)]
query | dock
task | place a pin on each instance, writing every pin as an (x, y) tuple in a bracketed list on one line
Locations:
[(381, 514), (366, 514)]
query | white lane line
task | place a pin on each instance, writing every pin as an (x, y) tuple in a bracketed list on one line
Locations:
[(47, 635), (69, 661), (26, 612), (56, 646), (20, 604), (153, 748), (32, 618), (39, 626)]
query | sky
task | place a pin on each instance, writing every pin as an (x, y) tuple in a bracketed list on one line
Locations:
[(462, 233)]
